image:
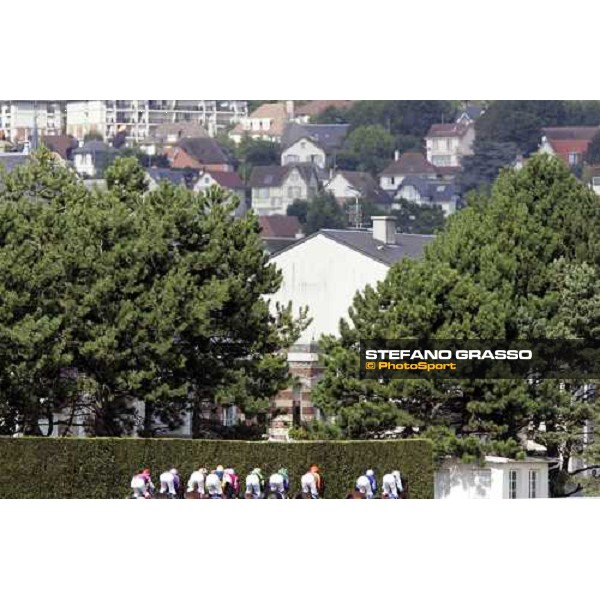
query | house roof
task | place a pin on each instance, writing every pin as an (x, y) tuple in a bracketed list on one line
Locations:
[(277, 245), (276, 111), (312, 108), (447, 130), (204, 149), (61, 144), (173, 176), (570, 133), (408, 245), (473, 110), (328, 137), (410, 163), (11, 160), (279, 226), (226, 179), (274, 175), (366, 185), (435, 191), (93, 146)]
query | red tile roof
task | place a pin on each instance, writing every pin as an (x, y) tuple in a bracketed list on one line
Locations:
[(230, 180), (279, 226), (569, 140)]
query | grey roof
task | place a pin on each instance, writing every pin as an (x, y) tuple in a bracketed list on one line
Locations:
[(159, 174), (92, 147), (328, 137), (205, 150), (276, 245), (274, 175), (408, 245), (434, 191), (11, 160)]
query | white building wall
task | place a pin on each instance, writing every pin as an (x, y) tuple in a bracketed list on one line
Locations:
[(458, 481), (325, 276), (341, 188), (303, 151)]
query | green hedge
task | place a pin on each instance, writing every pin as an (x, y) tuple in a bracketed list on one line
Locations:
[(103, 467)]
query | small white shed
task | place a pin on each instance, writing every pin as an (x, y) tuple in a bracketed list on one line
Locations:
[(496, 478)]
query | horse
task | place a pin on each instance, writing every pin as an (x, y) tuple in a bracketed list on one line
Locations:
[(356, 495), (195, 495)]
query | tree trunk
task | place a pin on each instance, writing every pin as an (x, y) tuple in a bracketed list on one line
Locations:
[(148, 420)]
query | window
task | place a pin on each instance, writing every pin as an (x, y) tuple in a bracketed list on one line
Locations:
[(513, 481), (440, 160), (596, 181), (573, 158), (392, 180), (533, 484), (448, 143), (292, 158), (294, 191), (303, 145)]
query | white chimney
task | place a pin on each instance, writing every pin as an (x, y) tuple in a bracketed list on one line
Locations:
[(396, 155), (384, 229)]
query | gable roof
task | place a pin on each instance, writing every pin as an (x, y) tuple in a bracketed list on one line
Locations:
[(173, 176), (410, 163), (63, 145), (312, 108), (204, 149), (408, 245), (447, 130), (435, 191), (226, 179), (276, 111), (11, 160), (366, 185), (329, 137), (184, 129), (274, 175), (570, 133), (279, 226)]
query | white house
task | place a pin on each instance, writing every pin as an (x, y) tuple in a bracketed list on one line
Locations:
[(496, 479), (304, 151), (264, 123), (275, 188), (426, 192), (92, 158), (448, 143), (324, 272), (403, 165)]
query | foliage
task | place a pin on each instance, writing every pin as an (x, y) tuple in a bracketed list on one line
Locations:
[(483, 166), (415, 218), (128, 295), (519, 262), (298, 208), (251, 153), (367, 148), (102, 468), (323, 212)]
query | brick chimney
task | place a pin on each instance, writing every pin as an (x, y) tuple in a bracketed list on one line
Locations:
[(396, 155), (384, 229), (289, 109)]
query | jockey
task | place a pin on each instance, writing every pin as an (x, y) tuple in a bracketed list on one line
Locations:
[(320, 482), (170, 482), (213, 486), (392, 485), (142, 485), (197, 480), (220, 471), (231, 483), (255, 483), (363, 485), (311, 481), (373, 480), (279, 483)]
